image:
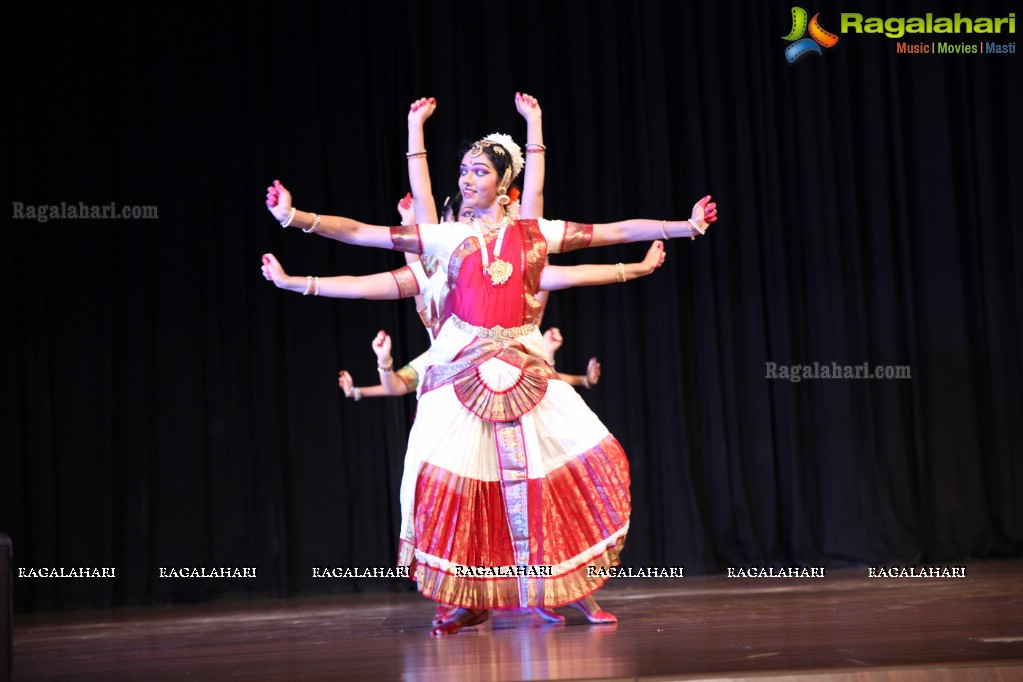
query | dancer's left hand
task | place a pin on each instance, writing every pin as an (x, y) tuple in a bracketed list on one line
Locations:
[(278, 201), (273, 271)]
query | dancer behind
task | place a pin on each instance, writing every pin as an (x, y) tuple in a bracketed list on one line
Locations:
[(523, 496), (405, 380), (552, 341), (392, 383)]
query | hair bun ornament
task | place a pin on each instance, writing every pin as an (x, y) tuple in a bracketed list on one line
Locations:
[(508, 143)]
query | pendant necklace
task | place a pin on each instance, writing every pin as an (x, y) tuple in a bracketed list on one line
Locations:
[(500, 270)]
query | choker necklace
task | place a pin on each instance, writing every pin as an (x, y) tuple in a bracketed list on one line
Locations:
[(490, 228), (500, 270)]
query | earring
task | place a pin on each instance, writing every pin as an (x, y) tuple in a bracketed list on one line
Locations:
[(502, 196)]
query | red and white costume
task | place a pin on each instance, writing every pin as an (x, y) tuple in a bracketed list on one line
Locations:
[(507, 469)]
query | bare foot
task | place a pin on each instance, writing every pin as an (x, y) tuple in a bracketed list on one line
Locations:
[(591, 609), (443, 613), (463, 618), (549, 615)]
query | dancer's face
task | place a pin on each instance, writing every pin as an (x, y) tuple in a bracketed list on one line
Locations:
[(477, 180)]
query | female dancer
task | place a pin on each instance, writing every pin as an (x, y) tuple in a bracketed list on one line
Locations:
[(520, 488)]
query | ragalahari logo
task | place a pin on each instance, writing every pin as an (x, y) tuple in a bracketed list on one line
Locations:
[(801, 46)]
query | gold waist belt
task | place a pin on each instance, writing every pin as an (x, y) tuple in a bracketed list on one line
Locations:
[(496, 333)]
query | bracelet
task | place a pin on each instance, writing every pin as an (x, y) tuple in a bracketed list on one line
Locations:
[(312, 286), (694, 226), (315, 225), (415, 155), (536, 146), (388, 368), (356, 394), (291, 216), (586, 382), (620, 272), (664, 232)]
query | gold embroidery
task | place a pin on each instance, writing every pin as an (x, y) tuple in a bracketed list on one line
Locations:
[(406, 238), (577, 236), (497, 332), (406, 281)]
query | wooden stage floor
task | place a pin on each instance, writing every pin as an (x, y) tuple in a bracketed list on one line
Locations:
[(845, 626)]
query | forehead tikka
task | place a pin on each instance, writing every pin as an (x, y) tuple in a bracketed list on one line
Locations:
[(477, 148)]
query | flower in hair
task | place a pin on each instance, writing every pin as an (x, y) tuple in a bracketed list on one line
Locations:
[(508, 143)]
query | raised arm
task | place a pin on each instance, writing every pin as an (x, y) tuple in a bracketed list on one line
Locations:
[(556, 277), (278, 202), (418, 170), (393, 385), (536, 160), (704, 213), (400, 283)]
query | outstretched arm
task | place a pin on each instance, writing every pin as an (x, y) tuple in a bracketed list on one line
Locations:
[(278, 201), (390, 383), (418, 170), (704, 213), (536, 160), (381, 286), (556, 277), (347, 384)]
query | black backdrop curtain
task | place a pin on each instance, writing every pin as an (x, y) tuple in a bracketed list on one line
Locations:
[(167, 407)]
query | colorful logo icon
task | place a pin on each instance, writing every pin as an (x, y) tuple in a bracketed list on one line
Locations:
[(801, 46)]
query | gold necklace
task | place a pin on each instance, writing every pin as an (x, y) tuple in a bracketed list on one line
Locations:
[(500, 270)]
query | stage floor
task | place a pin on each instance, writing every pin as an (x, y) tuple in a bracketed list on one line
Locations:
[(845, 626)]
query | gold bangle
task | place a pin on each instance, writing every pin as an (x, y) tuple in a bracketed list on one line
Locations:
[(664, 232), (415, 155), (620, 272), (315, 225), (308, 285), (387, 369)]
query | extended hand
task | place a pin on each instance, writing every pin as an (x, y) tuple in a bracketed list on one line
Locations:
[(593, 372), (552, 340), (344, 381), (273, 271), (420, 110), (705, 212), (382, 347), (278, 200), (654, 257), (405, 210), (528, 106)]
